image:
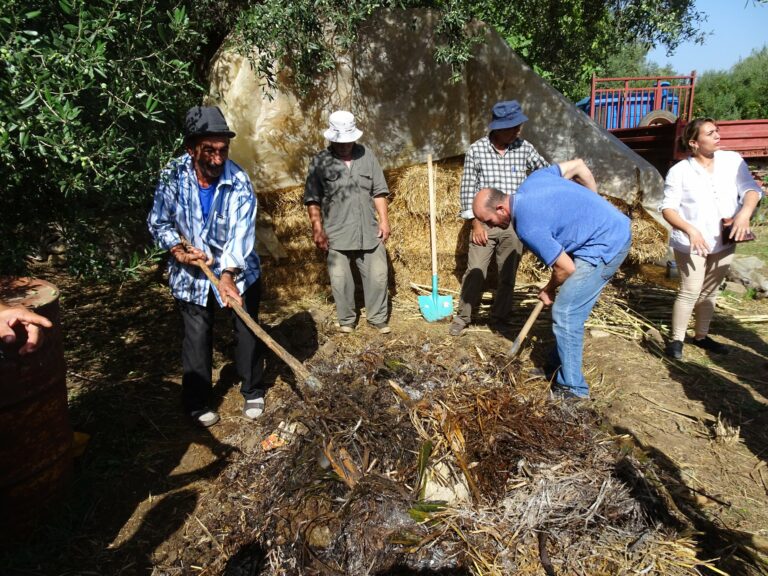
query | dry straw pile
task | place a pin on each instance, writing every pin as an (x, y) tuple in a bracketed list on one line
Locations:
[(303, 273), (434, 462)]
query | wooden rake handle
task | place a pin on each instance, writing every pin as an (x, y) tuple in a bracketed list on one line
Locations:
[(518, 343), (297, 367)]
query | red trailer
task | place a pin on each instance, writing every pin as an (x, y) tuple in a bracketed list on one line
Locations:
[(648, 114), (618, 103)]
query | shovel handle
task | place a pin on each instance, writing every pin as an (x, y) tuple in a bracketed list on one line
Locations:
[(432, 224), (297, 367), (517, 344)]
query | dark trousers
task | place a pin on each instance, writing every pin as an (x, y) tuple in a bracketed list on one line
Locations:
[(197, 350)]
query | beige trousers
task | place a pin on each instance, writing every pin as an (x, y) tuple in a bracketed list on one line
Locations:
[(700, 278)]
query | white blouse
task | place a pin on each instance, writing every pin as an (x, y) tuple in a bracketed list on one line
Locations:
[(702, 199)]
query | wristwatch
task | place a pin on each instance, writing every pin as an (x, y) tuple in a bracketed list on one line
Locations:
[(233, 272)]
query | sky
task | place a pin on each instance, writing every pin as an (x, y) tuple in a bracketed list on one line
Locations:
[(737, 26)]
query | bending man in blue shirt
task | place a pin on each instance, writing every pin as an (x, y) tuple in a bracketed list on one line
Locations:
[(581, 236), (208, 199)]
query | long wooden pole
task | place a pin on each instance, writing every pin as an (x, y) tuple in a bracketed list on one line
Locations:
[(432, 223), (297, 367)]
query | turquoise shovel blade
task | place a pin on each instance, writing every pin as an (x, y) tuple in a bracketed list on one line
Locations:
[(435, 307)]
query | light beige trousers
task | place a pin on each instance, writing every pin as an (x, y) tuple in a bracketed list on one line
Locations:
[(700, 278)]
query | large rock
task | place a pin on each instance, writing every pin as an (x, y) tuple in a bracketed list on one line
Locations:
[(408, 107), (750, 271)]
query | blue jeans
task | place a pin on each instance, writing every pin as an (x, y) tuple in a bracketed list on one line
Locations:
[(573, 304)]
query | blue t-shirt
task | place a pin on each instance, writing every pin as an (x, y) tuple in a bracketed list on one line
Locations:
[(554, 215), (206, 198)]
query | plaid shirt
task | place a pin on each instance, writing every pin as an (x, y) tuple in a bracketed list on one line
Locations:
[(484, 167), (229, 234)]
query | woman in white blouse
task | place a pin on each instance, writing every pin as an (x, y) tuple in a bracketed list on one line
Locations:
[(699, 192)]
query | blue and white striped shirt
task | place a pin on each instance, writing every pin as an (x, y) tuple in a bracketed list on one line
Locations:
[(229, 234)]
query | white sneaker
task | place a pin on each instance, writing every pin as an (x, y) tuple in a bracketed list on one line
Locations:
[(253, 408), (205, 417)]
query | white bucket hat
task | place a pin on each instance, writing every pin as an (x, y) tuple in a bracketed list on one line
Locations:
[(342, 128)]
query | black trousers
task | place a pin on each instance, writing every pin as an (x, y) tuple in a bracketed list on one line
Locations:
[(197, 349)]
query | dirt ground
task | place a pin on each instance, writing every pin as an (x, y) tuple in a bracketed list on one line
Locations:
[(138, 502)]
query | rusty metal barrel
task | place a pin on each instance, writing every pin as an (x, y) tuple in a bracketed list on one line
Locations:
[(35, 432)]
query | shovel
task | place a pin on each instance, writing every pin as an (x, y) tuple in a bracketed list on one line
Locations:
[(434, 307), (518, 343), (298, 369)]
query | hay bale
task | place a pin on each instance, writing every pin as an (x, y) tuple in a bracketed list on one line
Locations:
[(409, 244), (649, 238), (303, 272), (409, 189)]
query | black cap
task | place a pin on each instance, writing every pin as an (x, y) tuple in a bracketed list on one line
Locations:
[(206, 121)]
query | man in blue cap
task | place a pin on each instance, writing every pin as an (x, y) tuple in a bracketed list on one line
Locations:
[(500, 160), (207, 199)]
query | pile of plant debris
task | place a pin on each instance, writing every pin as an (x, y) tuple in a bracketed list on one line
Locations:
[(423, 458)]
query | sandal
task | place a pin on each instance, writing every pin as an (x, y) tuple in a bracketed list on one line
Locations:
[(253, 408), (205, 417)]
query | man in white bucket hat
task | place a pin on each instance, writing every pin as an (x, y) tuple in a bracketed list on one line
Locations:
[(345, 192)]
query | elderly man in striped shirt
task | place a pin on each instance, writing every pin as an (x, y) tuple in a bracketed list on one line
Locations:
[(208, 199), (500, 160)]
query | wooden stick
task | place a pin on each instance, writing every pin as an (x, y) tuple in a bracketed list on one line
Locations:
[(737, 376), (432, 224), (696, 416), (486, 295), (517, 344), (297, 367), (428, 289)]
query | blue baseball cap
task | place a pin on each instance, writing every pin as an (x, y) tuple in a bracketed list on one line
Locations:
[(506, 114)]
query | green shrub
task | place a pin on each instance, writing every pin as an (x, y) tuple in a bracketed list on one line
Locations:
[(90, 93), (738, 94)]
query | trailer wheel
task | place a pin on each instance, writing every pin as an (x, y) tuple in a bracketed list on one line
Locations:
[(657, 117)]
